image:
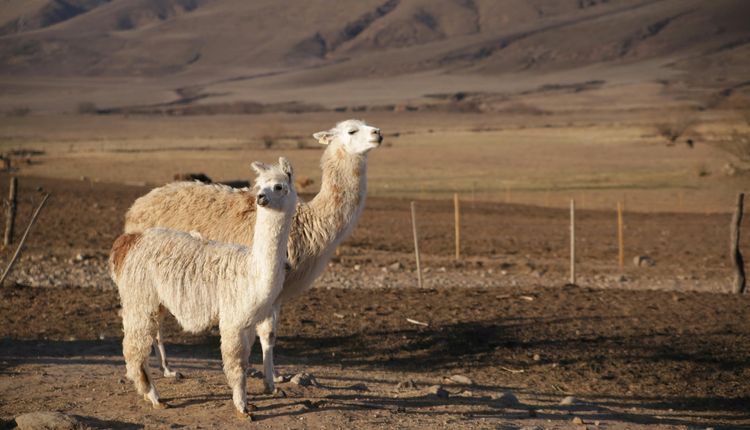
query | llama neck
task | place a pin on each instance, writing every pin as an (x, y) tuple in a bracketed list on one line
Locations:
[(342, 192), (268, 252)]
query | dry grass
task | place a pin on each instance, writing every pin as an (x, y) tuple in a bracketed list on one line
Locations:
[(538, 161)]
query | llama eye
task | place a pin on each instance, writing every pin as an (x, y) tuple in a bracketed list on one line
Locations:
[(353, 131), (277, 187)]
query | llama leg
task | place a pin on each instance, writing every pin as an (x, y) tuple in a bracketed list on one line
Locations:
[(267, 334), (232, 349), (161, 353), (137, 348), (248, 338)]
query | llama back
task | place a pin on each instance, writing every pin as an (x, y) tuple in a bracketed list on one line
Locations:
[(217, 212)]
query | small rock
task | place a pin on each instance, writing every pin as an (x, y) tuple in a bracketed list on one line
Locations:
[(438, 391), (568, 401), (409, 384), (537, 357), (506, 399), (461, 379), (310, 405), (395, 267), (46, 421), (577, 421), (303, 379), (644, 261), (82, 257), (278, 378), (359, 387), (357, 267)]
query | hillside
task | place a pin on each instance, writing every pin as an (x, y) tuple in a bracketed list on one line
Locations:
[(234, 50)]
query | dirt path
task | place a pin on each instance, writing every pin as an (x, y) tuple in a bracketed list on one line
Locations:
[(651, 359)]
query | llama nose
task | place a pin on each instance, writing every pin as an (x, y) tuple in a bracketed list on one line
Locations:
[(262, 200)]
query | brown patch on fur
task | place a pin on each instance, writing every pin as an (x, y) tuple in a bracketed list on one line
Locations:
[(121, 248), (337, 197), (356, 172), (340, 154), (250, 208)]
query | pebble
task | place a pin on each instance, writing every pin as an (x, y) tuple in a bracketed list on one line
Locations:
[(568, 401), (438, 390), (461, 379), (395, 267), (303, 379), (643, 261), (506, 399), (577, 421), (46, 420), (409, 384)]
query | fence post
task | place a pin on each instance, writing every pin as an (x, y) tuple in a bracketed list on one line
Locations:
[(416, 242), (572, 242), (10, 215), (23, 239), (457, 221), (620, 238), (734, 247)]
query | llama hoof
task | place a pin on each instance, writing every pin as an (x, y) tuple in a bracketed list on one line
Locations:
[(252, 408), (279, 393), (176, 375), (157, 404), (244, 415), (268, 389)]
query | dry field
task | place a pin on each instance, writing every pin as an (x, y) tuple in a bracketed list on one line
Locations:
[(542, 160), (662, 347)]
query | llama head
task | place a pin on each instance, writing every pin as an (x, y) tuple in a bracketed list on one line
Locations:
[(274, 186), (353, 135)]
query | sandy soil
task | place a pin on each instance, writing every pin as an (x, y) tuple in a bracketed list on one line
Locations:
[(673, 358)]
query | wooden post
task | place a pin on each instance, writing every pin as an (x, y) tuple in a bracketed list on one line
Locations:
[(620, 239), (416, 242), (10, 215), (457, 219), (572, 241), (735, 253), (23, 239)]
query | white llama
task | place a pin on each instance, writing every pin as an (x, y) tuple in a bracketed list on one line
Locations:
[(221, 213), (203, 282)]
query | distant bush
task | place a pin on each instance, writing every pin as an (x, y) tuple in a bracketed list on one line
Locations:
[(87, 108), (674, 129), (18, 111)]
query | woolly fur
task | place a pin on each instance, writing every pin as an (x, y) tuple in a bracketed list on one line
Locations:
[(224, 214), (203, 282)]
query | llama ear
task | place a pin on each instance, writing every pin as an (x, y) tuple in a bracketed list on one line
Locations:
[(323, 137), (259, 167), (286, 167)]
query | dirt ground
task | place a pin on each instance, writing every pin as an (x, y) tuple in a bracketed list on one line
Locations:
[(657, 347)]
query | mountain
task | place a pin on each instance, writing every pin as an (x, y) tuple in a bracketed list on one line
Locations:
[(206, 44)]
